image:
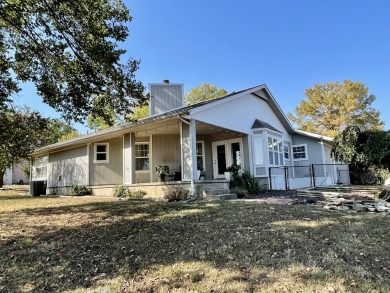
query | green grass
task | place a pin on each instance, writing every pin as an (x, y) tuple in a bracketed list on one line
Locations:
[(110, 245)]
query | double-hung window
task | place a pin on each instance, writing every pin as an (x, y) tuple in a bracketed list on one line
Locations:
[(200, 158), (142, 157), (40, 168), (101, 152)]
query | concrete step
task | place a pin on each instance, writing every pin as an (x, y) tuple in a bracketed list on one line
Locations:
[(227, 196)]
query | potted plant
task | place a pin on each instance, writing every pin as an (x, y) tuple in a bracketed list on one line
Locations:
[(199, 169), (162, 171)]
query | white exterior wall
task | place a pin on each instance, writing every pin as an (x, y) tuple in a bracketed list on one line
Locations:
[(68, 167), (239, 114), (8, 176)]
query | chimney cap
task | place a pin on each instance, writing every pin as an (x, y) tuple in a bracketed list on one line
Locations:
[(166, 81)]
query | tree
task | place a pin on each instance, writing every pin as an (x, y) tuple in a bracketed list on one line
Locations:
[(69, 50), (139, 113), (58, 130), (367, 151), (21, 131), (204, 92), (69, 135), (331, 107)]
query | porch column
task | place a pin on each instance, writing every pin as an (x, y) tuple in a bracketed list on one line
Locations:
[(129, 158), (188, 146)]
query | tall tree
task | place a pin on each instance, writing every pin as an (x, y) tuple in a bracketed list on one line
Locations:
[(69, 49), (204, 92), (21, 131), (331, 107)]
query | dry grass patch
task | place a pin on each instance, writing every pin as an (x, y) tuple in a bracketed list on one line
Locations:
[(106, 245)]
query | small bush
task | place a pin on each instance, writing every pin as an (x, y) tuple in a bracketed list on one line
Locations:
[(121, 191), (78, 190), (244, 184), (175, 193), (124, 191), (137, 193)]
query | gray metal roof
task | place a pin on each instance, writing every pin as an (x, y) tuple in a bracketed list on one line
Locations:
[(261, 124)]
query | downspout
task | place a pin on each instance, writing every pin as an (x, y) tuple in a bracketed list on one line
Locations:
[(183, 120)]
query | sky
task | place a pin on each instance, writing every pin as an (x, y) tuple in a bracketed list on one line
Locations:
[(288, 45)]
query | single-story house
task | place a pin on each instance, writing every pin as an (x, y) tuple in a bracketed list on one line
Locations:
[(15, 174), (247, 128)]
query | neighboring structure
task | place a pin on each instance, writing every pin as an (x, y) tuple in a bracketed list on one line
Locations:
[(15, 175), (246, 128)]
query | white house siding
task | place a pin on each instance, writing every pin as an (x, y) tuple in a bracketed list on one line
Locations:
[(7, 178), (239, 114), (166, 151), (111, 172), (67, 168)]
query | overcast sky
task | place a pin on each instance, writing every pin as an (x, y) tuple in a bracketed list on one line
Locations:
[(287, 45)]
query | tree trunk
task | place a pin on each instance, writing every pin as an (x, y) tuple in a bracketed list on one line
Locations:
[(1, 178)]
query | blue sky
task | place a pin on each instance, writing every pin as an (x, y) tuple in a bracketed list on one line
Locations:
[(288, 45)]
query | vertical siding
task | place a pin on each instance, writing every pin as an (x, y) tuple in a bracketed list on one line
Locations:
[(166, 150), (239, 114), (165, 97), (314, 150), (111, 172), (68, 167)]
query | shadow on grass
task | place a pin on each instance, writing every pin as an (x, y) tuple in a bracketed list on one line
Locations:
[(127, 238)]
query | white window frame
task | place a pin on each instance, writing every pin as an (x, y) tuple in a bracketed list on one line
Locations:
[(149, 157), (278, 151), (107, 152), (262, 157), (38, 165), (203, 155), (286, 146), (306, 153)]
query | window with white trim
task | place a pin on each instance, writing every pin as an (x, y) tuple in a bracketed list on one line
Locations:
[(200, 156), (142, 157), (40, 168), (258, 155), (286, 149), (101, 152), (275, 151), (300, 152)]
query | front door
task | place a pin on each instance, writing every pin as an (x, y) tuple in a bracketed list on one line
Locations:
[(226, 153)]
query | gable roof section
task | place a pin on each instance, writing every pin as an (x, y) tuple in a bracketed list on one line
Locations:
[(260, 91), (261, 124)]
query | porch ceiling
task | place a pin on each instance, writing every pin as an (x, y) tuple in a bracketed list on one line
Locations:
[(172, 126)]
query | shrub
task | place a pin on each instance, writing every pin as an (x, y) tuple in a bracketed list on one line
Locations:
[(78, 190), (244, 184), (121, 191), (124, 191), (371, 175), (175, 193)]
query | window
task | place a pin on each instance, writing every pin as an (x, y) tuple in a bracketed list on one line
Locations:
[(300, 152), (200, 158), (275, 151), (258, 155), (142, 157), (258, 150), (40, 168), (286, 149), (101, 152)]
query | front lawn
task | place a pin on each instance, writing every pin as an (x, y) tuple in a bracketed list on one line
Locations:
[(94, 244)]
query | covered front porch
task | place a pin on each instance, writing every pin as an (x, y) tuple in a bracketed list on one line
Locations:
[(192, 150)]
